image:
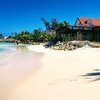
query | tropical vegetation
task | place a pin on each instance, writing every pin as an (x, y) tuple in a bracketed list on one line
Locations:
[(56, 31)]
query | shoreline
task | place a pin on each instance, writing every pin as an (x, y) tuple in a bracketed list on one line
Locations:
[(62, 76), (15, 68)]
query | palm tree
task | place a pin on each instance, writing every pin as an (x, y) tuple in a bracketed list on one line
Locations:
[(46, 23), (24, 36), (54, 24), (63, 31)]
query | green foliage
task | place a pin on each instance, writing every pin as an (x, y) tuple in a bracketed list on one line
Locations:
[(54, 31), (54, 23), (63, 31), (50, 25), (35, 36), (41, 36), (46, 23), (24, 36)]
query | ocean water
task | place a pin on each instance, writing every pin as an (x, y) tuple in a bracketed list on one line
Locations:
[(5, 47), (17, 64)]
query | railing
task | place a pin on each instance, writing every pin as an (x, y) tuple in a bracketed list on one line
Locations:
[(80, 28)]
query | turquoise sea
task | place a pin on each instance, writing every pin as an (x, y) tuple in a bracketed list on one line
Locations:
[(5, 47)]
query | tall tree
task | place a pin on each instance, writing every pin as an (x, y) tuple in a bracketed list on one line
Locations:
[(50, 25), (46, 23), (63, 31), (54, 23)]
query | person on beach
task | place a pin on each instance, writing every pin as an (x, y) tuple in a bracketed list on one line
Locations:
[(16, 42)]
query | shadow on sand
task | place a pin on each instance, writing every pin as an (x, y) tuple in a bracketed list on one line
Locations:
[(93, 76)]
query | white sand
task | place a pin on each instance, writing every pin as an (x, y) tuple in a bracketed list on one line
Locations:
[(60, 77), (15, 69)]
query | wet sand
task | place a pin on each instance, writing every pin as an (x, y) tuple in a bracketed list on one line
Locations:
[(16, 68)]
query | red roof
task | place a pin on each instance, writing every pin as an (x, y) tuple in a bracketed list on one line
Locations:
[(95, 21)]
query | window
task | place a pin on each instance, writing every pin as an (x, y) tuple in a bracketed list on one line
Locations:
[(85, 22)]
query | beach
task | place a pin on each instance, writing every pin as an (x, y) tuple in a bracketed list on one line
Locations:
[(16, 66), (67, 75)]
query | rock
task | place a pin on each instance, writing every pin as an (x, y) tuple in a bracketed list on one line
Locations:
[(72, 45)]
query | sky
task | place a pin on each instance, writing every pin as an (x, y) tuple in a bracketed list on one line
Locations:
[(22, 15)]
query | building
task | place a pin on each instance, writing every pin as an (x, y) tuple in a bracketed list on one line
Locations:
[(87, 29), (87, 22)]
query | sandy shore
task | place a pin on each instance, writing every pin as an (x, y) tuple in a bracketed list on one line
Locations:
[(15, 68), (64, 75)]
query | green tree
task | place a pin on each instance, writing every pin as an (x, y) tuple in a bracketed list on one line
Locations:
[(46, 23), (63, 31), (54, 24), (50, 25), (24, 36), (39, 36)]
